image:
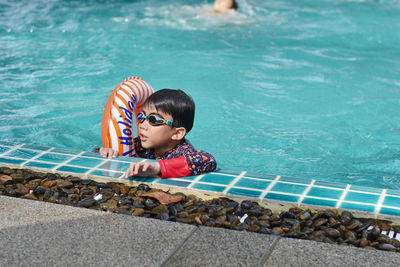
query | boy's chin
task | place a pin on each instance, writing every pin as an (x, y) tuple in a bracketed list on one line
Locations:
[(146, 145)]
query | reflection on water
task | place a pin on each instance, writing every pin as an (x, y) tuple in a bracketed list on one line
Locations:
[(302, 89)]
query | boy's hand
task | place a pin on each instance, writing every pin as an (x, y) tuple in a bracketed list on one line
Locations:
[(108, 152), (143, 169)]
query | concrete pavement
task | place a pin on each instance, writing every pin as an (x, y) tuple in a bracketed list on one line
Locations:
[(34, 233)]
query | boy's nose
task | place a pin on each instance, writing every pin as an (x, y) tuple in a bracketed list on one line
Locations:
[(143, 125)]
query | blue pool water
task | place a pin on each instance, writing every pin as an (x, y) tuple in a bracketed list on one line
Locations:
[(304, 89)]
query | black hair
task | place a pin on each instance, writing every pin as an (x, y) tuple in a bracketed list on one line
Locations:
[(175, 103), (234, 5)]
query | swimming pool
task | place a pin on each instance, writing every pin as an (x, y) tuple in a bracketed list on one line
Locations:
[(306, 89)]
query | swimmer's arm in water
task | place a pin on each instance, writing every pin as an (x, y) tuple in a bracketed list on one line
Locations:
[(108, 152)]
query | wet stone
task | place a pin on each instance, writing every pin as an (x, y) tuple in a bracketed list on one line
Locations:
[(87, 202), (49, 184), (64, 184), (143, 187), (160, 209), (86, 181), (73, 179), (246, 204), (30, 196), (137, 212), (17, 178)]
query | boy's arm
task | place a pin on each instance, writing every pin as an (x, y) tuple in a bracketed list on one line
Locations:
[(192, 164)]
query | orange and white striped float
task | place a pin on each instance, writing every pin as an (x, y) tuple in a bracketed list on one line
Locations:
[(121, 110)]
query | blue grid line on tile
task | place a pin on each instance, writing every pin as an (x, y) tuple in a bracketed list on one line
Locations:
[(343, 196), (319, 202), (294, 183), (391, 207), (40, 165), (284, 193), (38, 155), (208, 183), (237, 178), (207, 187), (357, 203), (362, 197), (380, 201), (305, 192), (330, 184), (69, 160), (108, 174), (250, 183), (324, 198), (281, 197), (149, 180), (112, 165), (288, 188), (54, 157), (223, 174), (365, 192), (3, 149), (172, 182), (248, 188), (6, 143), (389, 193), (105, 161), (14, 161), (358, 206), (217, 179), (70, 169), (84, 162), (23, 153), (272, 184), (257, 179), (315, 185), (11, 150), (393, 201), (393, 211), (98, 165), (65, 151), (244, 192), (392, 193), (365, 189), (158, 179), (295, 180), (195, 181), (324, 192), (41, 150), (35, 147)]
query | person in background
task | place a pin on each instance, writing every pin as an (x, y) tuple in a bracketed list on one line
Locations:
[(224, 5)]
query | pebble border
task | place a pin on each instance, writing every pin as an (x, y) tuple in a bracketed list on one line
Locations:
[(263, 188)]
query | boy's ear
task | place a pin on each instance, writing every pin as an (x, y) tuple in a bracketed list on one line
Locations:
[(179, 134)]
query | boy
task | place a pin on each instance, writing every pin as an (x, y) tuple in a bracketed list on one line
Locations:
[(166, 118)]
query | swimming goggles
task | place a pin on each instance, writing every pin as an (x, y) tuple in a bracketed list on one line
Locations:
[(155, 120)]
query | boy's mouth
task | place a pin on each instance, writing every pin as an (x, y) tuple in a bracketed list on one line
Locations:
[(142, 138)]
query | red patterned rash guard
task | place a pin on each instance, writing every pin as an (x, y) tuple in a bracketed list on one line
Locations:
[(182, 160)]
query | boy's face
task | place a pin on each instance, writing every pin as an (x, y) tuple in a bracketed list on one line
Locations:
[(157, 137)]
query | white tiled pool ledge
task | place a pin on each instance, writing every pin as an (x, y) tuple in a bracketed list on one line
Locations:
[(301, 192)]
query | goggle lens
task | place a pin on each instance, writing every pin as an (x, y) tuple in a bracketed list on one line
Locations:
[(154, 120)]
